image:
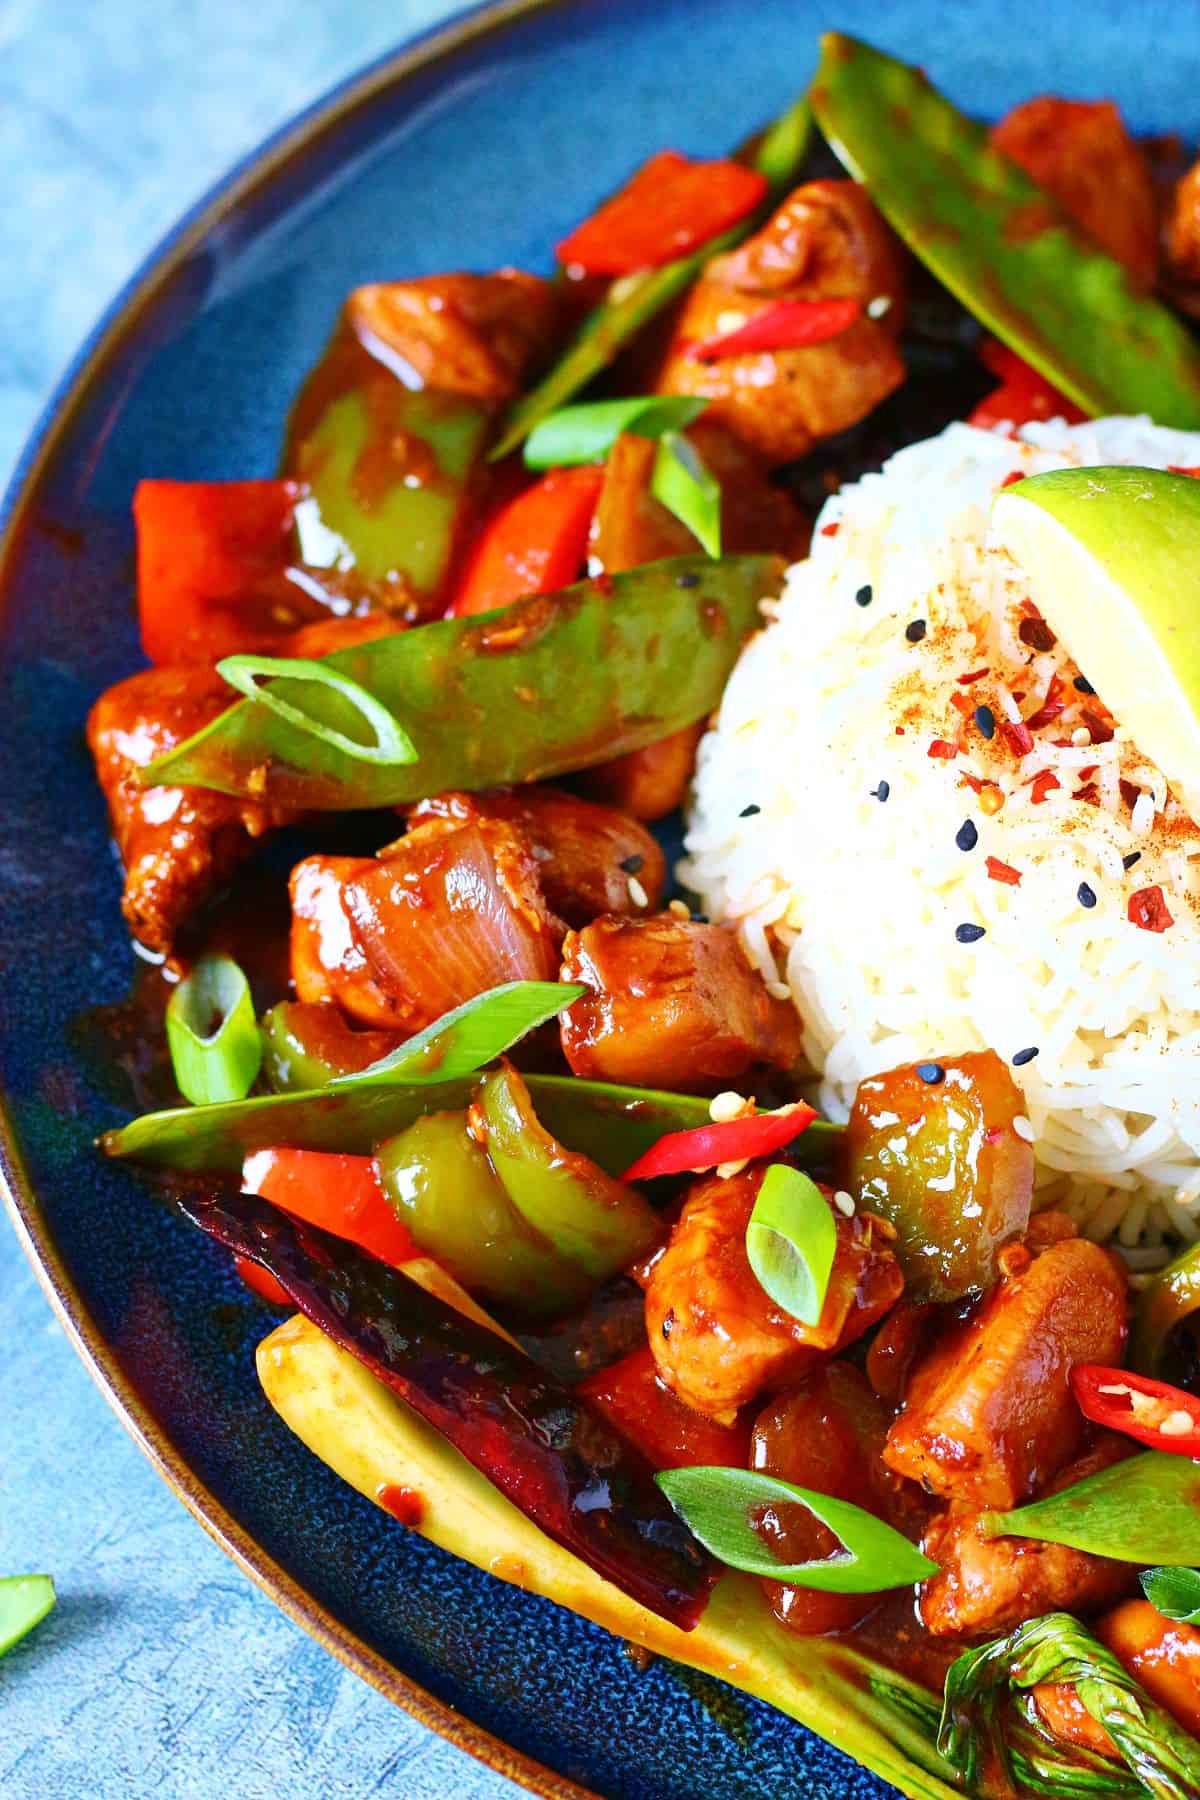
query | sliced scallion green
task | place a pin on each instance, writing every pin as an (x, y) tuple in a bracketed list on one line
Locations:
[(721, 1506), (682, 484), (212, 1033), (583, 434), (470, 1036), (1142, 1510), (24, 1602), (392, 743), (791, 1241)]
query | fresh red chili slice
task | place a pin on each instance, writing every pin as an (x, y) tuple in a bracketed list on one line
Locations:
[(670, 207), (1148, 910), (789, 325), (1155, 1413), (732, 1140)]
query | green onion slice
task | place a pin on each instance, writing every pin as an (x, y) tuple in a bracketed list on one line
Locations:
[(684, 486), (1142, 1510), (721, 1507), (1175, 1593), (472, 1035), (24, 1602), (583, 434), (212, 1034), (392, 744), (791, 1241)]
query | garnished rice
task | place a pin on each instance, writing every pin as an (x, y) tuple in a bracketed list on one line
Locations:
[(932, 833)]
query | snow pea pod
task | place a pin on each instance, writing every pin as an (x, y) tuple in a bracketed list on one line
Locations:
[(552, 684), (633, 300), (1172, 1298), (1000, 243)]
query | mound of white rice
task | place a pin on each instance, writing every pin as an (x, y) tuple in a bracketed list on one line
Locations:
[(852, 816)]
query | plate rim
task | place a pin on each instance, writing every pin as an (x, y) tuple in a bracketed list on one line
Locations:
[(252, 174)]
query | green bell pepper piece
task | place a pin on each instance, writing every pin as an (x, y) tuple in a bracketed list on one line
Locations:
[(1170, 1299), (546, 686), (633, 300), (308, 1044), (1000, 243), (387, 468), (594, 1221), (613, 1125), (443, 1187)]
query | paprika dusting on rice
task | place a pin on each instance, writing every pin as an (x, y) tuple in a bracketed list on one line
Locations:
[(894, 944)]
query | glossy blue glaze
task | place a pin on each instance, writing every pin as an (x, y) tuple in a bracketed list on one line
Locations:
[(481, 160)]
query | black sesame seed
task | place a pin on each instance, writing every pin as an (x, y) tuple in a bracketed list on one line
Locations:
[(864, 595), (931, 1072), (1085, 895), (1024, 1056), (966, 837), (915, 632), (1082, 685), (969, 934), (632, 864), (687, 580), (1127, 862), (748, 812), (985, 718), (881, 792)]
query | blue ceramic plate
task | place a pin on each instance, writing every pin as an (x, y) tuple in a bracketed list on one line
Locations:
[(478, 146)]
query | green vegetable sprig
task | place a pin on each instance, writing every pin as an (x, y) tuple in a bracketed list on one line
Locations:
[(212, 1033), (1164, 1758), (586, 433), (1142, 1510), (791, 1241), (681, 482), (1175, 1593), (721, 1507)]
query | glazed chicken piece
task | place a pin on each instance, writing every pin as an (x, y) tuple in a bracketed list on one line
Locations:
[(591, 859), (718, 1340), (326, 964), (1163, 1654), (466, 334), (825, 242), (989, 1416), (1183, 229), (991, 1584), (651, 782), (442, 915), (178, 845), (673, 1004), (1080, 152)]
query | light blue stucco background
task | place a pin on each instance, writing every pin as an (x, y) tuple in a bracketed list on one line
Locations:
[(163, 1672)]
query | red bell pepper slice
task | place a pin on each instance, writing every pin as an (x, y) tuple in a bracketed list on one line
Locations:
[(670, 207), (534, 545), (668, 1433), (339, 1193), (791, 325), (260, 1282), (1155, 1413), (1023, 395), (733, 1140), (211, 558)]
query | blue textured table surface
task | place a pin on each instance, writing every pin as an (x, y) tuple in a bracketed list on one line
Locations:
[(163, 1671)]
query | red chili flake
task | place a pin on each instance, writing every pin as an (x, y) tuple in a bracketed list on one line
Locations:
[(830, 530), (899, 731), (1182, 469), (1089, 793), (1018, 737), (1052, 707), (939, 747), (1013, 475), (976, 675), (1035, 632), (1148, 910), (973, 782), (1002, 871), (1043, 783), (1129, 794), (962, 704), (1101, 730)]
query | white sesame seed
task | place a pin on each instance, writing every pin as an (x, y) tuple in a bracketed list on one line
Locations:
[(1023, 1128), (726, 1106), (678, 909), (878, 306), (637, 892), (1177, 1424), (1081, 735), (779, 990), (844, 1202), (727, 1170)]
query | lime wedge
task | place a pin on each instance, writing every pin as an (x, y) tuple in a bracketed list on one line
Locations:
[(1113, 562)]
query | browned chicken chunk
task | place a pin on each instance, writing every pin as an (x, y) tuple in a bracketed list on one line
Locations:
[(990, 1416), (444, 915), (673, 1004), (468, 334), (326, 964), (591, 859), (178, 845), (718, 1340), (1080, 152), (825, 242), (650, 782)]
